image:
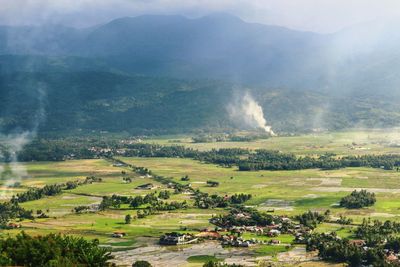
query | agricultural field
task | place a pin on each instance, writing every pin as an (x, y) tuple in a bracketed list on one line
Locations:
[(288, 193), (350, 142), (38, 174)]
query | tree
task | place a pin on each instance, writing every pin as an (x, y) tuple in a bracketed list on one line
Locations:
[(212, 183), (164, 194), (185, 178), (52, 250), (358, 199), (127, 180), (128, 219), (310, 219)]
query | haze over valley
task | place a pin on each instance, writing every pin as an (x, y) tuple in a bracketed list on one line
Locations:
[(303, 80), (195, 133)]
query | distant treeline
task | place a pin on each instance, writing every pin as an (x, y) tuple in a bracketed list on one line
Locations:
[(244, 159), (261, 159), (271, 160)]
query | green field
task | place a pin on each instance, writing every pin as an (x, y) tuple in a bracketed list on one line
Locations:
[(285, 192), (289, 192), (351, 142)]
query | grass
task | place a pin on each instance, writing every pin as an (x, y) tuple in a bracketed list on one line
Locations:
[(271, 250), (301, 190), (287, 192), (60, 205), (127, 243), (349, 142), (42, 173), (202, 259), (284, 238)]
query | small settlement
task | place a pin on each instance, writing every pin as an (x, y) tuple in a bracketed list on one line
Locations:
[(230, 234)]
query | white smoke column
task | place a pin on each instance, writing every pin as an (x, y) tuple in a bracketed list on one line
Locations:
[(246, 111), (15, 143)]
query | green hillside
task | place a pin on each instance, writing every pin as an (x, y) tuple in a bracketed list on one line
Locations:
[(68, 101)]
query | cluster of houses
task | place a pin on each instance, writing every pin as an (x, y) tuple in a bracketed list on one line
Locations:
[(270, 231), (226, 240), (235, 241), (177, 239), (233, 236), (99, 150)]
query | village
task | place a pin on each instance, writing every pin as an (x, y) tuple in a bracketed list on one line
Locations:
[(233, 235)]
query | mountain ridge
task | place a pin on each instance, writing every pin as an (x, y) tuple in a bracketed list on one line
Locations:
[(319, 80)]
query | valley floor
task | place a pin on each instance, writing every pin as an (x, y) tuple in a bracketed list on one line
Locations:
[(286, 193)]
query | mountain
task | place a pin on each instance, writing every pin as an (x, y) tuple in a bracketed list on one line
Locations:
[(216, 46), (171, 73), (69, 102), (224, 47), (105, 101)]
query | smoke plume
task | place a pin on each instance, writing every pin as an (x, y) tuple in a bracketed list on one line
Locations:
[(11, 171), (246, 112)]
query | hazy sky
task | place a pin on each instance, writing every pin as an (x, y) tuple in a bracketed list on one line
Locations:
[(313, 15)]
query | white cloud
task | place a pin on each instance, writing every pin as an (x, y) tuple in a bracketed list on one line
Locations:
[(314, 15)]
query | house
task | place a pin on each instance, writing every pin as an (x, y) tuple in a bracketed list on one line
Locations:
[(273, 232), (242, 216), (357, 242), (177, 239), (274, 242), (13, 226), (299, 238), (118, 234), (392, 258), (259, 231), (148, 186), (118, 165), (230, 240), (244, 244), (209, 235)]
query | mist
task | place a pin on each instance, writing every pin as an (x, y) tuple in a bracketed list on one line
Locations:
[(348, 64), (328, 16), (11, 170)]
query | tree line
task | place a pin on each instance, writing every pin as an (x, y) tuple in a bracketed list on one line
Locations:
[(244, 159), (10, 210), (35, 193)]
